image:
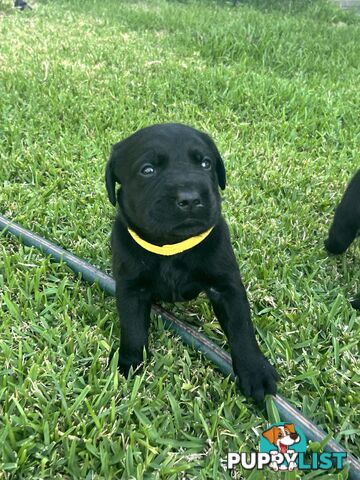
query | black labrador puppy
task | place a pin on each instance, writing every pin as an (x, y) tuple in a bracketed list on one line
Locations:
[(21, 5), (170, 242), (346, 224)]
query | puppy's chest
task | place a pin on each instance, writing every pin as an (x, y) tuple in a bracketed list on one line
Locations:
[(175, 282)]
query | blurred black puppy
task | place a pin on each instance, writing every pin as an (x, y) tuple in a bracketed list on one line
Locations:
[(346, 224), (170, 242), (21, 5)]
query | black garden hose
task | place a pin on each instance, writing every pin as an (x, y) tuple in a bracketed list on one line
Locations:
[(188, 334)]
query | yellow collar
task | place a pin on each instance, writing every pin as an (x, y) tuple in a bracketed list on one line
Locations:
[(173, 248)]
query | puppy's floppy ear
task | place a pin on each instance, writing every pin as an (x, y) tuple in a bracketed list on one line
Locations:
[(110, 183), (220, 168), (290, 427), (270, 435), (110, 175)]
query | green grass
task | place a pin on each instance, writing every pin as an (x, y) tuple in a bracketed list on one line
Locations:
[(277, 86)]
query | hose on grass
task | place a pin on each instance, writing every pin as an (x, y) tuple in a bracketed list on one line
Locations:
[(188, 334)]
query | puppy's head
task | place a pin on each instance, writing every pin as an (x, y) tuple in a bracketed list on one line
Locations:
[(169, 176), (282, 436)]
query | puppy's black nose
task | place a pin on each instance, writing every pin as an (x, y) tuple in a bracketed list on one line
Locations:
[(188, 199)]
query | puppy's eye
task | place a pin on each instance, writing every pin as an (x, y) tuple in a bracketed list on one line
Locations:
[(205, 163), (147, 170), (279, 435)]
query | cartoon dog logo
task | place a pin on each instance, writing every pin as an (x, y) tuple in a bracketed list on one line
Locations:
[(283, 437)]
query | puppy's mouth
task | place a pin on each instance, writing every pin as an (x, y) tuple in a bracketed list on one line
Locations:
[(189, 223), (283, 448)]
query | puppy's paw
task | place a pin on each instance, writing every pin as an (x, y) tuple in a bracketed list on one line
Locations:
[(256, 377), (334, 247), (125, 366), (355, 303)]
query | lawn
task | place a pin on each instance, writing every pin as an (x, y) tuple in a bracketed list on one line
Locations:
[(277, 87)]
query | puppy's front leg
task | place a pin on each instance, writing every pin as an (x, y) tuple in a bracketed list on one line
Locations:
[(134, 312), (255, 375), (346, 222)]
